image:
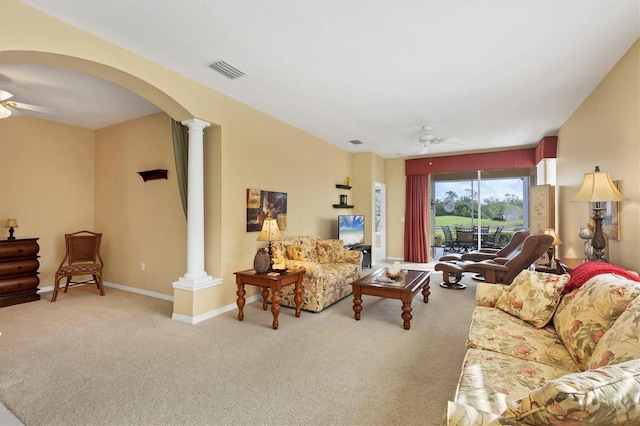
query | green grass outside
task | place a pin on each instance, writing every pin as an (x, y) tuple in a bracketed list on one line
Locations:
[(466, 221)]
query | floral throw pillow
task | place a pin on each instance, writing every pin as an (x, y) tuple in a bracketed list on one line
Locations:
[(294, 252), (604, 396), (533, 296), (622, 341), (584, 315)]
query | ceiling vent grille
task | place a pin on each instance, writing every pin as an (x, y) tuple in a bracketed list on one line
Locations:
[(225, 69), (356, 142)]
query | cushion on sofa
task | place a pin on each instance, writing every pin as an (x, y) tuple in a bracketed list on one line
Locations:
[(495, 330), (330, 251), (464, 415), (622, 341), (533, 296), (488, 294), (510, 378), (294, 252), (585, 314), (605, 396)]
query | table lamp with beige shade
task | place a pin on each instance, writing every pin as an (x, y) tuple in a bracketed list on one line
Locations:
[(270, 232), (11, 223), (598, 188), (552, 252)]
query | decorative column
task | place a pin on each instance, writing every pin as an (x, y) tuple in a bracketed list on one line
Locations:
[(196, 278)]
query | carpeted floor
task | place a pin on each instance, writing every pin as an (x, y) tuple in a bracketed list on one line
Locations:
[(121, 360)]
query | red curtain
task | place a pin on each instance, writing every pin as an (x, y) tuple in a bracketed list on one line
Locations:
[(416, 216)]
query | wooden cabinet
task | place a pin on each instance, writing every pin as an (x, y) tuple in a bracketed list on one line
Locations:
[(19, 271)]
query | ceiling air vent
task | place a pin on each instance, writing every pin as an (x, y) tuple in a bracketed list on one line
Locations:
[(225, 69), (356, 142)]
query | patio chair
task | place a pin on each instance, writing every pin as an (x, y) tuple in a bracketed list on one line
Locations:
[(494, 240), (449, 241), (465, 239)]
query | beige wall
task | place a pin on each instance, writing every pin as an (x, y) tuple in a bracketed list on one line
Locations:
[(244, 148), (604, 131), (47, 184), (142, 222)]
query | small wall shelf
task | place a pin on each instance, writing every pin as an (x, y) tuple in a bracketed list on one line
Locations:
[(153, 174), (343, 198)]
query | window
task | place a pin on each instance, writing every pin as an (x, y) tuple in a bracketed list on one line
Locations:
[(480, 199)]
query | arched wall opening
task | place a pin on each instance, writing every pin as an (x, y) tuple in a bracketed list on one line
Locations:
[(133, 83)]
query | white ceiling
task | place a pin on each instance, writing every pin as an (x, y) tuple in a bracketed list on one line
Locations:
[(493, 74)]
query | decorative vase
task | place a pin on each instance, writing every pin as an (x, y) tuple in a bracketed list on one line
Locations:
[(262, 261)]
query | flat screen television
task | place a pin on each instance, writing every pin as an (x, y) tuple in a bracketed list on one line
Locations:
[(351, 229)]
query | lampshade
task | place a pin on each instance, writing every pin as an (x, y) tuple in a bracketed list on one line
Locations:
[(556, 240), (11, 223), (598, 187), (270, 231)]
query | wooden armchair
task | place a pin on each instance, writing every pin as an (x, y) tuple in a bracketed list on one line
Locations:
[(82, 258)]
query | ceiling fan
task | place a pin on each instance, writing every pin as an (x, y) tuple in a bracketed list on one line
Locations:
[(427, 139), (7, 107)]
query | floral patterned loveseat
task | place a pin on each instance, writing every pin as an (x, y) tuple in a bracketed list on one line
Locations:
[(329, 270), (541, 352)]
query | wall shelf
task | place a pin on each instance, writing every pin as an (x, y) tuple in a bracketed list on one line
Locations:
[(153, 174), (343, 206), (339, 186)]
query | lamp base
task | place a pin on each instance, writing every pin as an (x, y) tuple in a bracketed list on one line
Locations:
[(599, 242), (11, 237)]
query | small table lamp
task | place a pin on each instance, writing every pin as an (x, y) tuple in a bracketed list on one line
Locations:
[(598, 188), (11, 223), (551, 253), (270, 232)]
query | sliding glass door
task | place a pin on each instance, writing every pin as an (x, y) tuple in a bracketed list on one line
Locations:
[(478, 209)]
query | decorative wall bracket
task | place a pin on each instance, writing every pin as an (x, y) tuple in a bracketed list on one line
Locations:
[(153, 174)]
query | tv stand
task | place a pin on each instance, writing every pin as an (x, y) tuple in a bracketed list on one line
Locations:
[(366, 253)]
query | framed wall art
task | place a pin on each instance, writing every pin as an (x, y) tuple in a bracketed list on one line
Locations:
[(541, 208), (264, 204)]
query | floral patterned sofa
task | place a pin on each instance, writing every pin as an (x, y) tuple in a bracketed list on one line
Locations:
[(550, 350), (329, 270)]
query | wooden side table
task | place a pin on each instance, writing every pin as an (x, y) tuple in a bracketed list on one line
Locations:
[(271, 281), (565, 265)]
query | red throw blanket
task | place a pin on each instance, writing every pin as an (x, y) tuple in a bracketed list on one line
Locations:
[(588, 270)]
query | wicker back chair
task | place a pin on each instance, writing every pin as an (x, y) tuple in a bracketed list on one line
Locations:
[(82, 258)]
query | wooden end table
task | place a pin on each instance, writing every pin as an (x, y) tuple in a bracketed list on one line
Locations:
[(403, 288), (269, 281)]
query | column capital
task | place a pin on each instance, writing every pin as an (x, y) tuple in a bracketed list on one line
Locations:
[(195, 124)]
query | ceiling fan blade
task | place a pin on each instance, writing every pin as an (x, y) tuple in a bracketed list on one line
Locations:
[(32, 107), (4, 95), (450, 139), (425, 148)]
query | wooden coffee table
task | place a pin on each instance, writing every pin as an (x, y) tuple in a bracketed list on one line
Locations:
[(273, 282), (404, 288)]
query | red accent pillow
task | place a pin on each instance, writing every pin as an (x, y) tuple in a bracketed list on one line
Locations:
[(588, 270)]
